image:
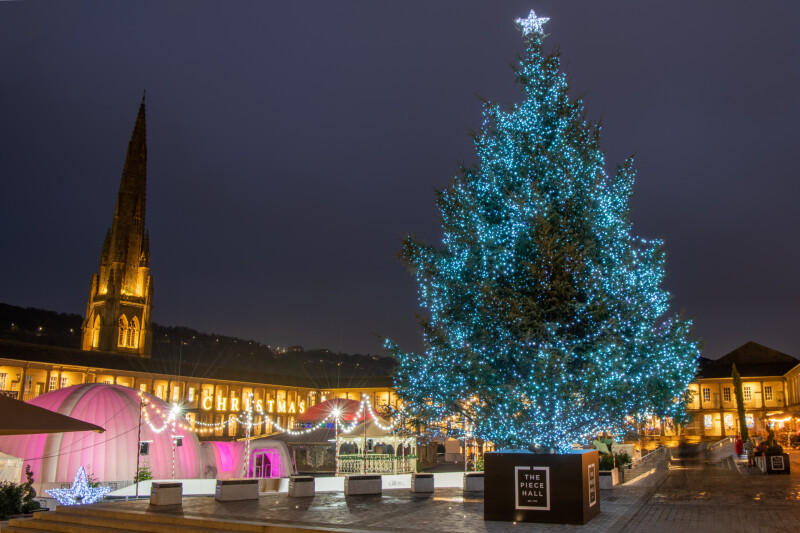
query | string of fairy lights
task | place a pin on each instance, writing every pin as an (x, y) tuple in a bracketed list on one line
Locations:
[(172, 419)]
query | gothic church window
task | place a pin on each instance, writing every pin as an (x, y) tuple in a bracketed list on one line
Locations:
[(123, 331), (133, 333), (96, 332)]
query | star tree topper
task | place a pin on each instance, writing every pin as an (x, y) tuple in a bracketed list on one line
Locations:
[(532, 24), (80, 493)]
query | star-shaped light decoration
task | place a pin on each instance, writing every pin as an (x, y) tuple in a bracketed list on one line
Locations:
[(532, 24), (80, 493)]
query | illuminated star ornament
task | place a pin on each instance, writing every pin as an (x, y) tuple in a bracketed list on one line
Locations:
[(532, 24), (80, 493)]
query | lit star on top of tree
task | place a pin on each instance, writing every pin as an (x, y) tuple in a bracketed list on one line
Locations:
[(532, 24), (80, 493)]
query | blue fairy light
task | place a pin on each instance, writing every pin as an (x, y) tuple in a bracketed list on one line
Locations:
[(80, 493)]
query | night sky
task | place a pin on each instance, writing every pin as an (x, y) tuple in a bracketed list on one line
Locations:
[(291, 145)]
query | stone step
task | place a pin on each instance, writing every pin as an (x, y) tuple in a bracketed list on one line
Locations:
[(57, 526), (69, 522), (79, 519), (165, 522), (19, 529)]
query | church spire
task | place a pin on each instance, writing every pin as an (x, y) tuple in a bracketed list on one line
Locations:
[(132, 188), (120, 300)]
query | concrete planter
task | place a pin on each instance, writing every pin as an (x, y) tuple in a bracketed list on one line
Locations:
[(166, 493), (421, 482), (473, 481), (609, 478), (542, 487), (230, 490), (301, 487), (362, 484)]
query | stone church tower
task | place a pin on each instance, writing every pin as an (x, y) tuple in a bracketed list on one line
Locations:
[(121, 298)]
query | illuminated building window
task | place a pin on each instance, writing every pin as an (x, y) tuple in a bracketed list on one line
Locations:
[(768, 392), (748, 394), (123, 331), (28, 383), (96, 332), (64, 383), (52, 384), (728, 421), (190, 396), (3, 378), (143, 387), (176, 394), (726, 394), (706, 394), (133, 333), (128, 336)]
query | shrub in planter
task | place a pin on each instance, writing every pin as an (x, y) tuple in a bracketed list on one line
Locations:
[(776, 449), (609, 461), (18, 498), (28, 502), (10, 499)]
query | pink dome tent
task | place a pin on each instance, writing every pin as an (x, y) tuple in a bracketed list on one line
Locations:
[(110, 456)]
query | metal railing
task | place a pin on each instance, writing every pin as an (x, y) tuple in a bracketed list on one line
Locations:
[(376, 463), (644, 464), (717, 446)]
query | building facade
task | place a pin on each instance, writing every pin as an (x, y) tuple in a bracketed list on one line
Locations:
[(213, 403), (770, 391)]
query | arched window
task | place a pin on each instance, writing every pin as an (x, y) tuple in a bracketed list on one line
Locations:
[(133, 333), (96, 331), (123, 331)]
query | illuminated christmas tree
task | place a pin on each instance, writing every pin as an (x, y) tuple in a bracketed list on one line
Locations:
[(547, 322)]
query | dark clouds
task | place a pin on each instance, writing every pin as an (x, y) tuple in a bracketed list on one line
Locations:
[(292, 145)]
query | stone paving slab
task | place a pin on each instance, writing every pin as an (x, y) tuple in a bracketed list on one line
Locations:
[(396, 511), (725, 498)]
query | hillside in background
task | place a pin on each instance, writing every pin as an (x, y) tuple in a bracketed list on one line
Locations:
[(180, 345)]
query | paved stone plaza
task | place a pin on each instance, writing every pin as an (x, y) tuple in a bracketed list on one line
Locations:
[(725, 498)]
